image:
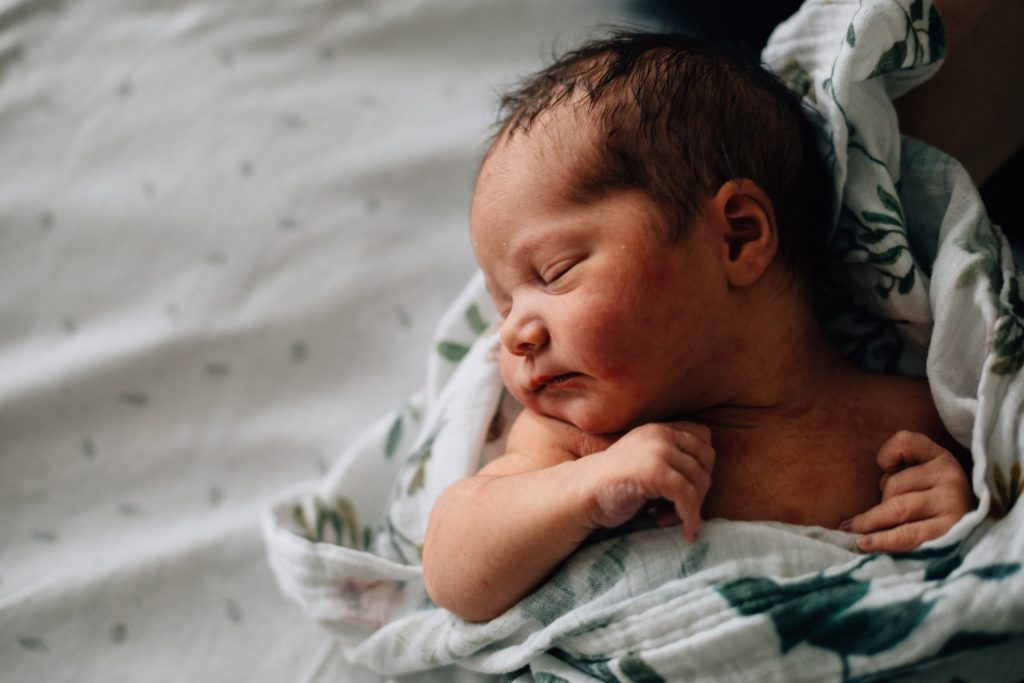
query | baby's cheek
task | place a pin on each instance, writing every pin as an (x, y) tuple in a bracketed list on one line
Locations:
[(610, 341), (506, 365)]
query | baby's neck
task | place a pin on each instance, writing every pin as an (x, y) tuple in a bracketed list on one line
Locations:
[(790, 371), (784, 401)]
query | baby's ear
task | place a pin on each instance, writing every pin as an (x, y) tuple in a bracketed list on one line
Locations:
[(748, 235)]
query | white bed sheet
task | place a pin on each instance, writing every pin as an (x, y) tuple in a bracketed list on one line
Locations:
[(227, 228)]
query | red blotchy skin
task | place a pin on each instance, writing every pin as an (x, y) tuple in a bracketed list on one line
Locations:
[(593, 286)]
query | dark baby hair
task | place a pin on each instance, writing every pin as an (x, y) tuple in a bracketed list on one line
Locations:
[(678, 117)]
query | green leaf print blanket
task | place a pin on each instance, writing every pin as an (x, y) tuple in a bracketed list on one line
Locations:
[(932, 288)]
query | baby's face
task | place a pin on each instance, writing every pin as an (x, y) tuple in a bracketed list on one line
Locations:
[(606, 324)]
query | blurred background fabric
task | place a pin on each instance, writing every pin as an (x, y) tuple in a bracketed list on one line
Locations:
[(227, 230)]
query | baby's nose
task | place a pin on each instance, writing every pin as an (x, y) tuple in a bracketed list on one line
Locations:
[(524, 337)]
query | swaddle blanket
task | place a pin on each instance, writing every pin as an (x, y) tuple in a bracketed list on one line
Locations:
[(932, 287)]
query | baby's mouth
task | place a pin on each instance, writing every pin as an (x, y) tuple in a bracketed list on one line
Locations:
[(538, 384)]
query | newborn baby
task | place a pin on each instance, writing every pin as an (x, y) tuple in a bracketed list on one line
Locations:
[(650, 220)]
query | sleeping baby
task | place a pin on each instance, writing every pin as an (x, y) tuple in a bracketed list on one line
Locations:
[(650, 219)]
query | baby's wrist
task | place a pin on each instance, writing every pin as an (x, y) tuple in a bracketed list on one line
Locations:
[(585, 495), (605, 503)]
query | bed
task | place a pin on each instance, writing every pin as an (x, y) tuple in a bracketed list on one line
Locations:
[(227, 230)]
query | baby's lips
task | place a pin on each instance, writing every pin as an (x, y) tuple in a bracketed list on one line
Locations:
[(538, 382)]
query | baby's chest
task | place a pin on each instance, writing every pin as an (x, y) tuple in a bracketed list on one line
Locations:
[(817, 481)]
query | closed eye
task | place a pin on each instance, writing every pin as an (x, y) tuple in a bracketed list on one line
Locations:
[(554, 272)]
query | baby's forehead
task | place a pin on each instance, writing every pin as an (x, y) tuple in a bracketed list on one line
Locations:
[(561, 146), (571, 124)]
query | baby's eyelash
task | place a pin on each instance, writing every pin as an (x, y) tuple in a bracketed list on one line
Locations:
[(557, 271)]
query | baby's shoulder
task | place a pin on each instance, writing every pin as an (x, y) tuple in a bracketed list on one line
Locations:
[(897, 402)]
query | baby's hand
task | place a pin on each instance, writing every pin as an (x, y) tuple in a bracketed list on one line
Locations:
[(924, 493), (670, 460)]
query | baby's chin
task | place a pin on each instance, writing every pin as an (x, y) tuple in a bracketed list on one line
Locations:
[(586, 414), (602, 426), (588, 420)]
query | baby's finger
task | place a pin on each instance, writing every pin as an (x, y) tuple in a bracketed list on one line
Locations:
[(909, 507), (689, 517), (702, 432), (919, 478), (903, 538), (904, 449), (693, 446), (686, 500), (692, 470)]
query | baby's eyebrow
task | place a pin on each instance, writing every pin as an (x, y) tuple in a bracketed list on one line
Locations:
[(524, 246)]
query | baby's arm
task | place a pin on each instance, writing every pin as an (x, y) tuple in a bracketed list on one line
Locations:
[(924, 493), (494, 536)]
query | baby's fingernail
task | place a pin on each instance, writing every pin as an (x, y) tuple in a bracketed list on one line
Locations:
[(846, 526), (865, 543)]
